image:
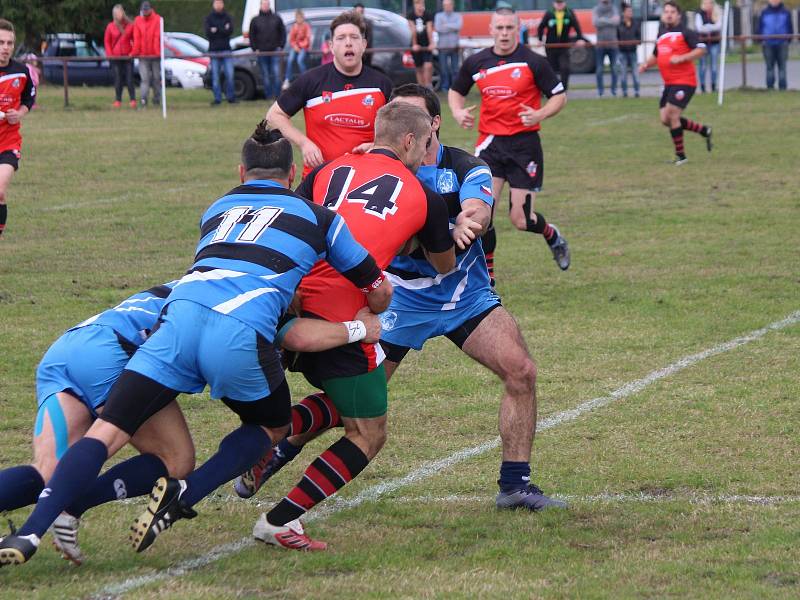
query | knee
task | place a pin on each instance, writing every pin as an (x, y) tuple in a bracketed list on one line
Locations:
[(179, 466), (2, 196), (518, 220), (521, 380)]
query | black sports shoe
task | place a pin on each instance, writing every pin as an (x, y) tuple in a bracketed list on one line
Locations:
[(709, 143), (529, 497), (164, 509), (17, 549), (560, 250)]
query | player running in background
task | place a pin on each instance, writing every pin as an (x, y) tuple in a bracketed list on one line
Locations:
[(17, 96), (460, 305), (384, 206), (217, 328), (675, 52), (511, 79), (339, 100)]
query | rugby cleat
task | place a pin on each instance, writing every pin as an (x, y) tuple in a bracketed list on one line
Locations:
[(65, 538), (290, 536), (709, 143), (679, 160), (529, 497), (17, 549), (560, 250), (249, 482), (164, 509)]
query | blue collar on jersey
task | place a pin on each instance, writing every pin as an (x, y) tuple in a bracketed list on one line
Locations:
[(263, 183)]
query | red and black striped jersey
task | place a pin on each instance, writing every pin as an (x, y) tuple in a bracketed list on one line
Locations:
[(339, 110), (674, 42), (506, 82), (16, 89)]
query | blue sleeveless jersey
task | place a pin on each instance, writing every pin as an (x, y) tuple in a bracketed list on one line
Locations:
[(134, 318), (256, 243), (457, 176)]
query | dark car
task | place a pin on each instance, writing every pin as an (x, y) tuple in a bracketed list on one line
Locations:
[(93, 72), (389, 31)]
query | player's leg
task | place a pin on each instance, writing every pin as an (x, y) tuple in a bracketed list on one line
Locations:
[(493, 339), (687, 124), (524, 217), (671, 118), (8, 164)]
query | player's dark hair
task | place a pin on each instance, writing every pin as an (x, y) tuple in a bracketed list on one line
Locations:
[(414, 90), (266, 154), (349, 17), (6, 25), (358, 5), (673, 5)]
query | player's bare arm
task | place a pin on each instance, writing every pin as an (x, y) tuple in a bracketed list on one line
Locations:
[(317, 335), (530, 116), (468, 227), (463, 115), (649, 63), (278, 119), (689, 56), (379, 298), (14, 116)]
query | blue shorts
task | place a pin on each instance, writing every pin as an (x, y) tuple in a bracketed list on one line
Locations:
[(195, 345), (84, 362), (410, 327)]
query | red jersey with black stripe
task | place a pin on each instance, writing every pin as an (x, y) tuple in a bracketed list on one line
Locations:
[(676, 41), (505, 82), (384, 205), (339, 110), (16, 90)]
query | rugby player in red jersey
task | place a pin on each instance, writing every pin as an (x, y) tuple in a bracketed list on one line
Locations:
[(339, 100), (675, 51), (511, 79), (17, 95)]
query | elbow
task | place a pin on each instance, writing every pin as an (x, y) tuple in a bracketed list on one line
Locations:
[(379, 299)]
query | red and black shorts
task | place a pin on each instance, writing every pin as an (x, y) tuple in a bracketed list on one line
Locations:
[(516, 158), (10, 157), (677, 95)]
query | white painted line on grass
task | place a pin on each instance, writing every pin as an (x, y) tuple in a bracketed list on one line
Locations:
[(612, 498), (337, 504)]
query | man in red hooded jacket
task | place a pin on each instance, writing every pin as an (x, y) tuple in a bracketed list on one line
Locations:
[(147, 46)]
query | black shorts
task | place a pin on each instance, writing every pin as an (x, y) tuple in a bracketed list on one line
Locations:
[(677, 95), (516, 158), (10, 157), (458, 336), (422, 57), (349, 360)]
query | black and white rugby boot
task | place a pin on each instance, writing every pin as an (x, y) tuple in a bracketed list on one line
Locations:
[(164, 509)]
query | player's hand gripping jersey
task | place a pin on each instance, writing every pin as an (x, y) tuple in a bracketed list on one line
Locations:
[(505, 82), (256, 243), (339, 110), (16, 89), (457, 176), (674, 42), (384, 205)]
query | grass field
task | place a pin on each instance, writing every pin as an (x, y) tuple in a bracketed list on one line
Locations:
[(667, 262)]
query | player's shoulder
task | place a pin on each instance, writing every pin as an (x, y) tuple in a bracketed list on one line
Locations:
[(525, 54), (479, 58), (375, 76), (14, 67)]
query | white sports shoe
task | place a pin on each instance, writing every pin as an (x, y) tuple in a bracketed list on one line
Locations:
[(291, 536), (65, 537)]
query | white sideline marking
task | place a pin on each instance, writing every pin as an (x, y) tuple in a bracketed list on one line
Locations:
[(609, 120), (432, 468), (611, 498)]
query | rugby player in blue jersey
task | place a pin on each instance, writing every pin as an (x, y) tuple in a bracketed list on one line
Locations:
[(461, 305), (217, 327)]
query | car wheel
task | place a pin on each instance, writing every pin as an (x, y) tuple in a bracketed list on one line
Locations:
[(581, 59), (243, 85)]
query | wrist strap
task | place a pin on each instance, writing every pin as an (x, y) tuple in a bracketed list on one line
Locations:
[(356, 331)]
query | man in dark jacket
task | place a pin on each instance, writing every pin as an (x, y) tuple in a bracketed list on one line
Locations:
[(775, 20), (557, 22), (268, 34), (219, 27)]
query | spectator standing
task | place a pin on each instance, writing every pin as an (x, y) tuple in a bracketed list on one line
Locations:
[(326, 49), (554, 28), (118, 42), (708, 23), (448, 24), (630, 36), (605, 18), (420, 22), (359, 10), (219, 28), (299, 43), (147, 46), (775, 19), (268, 34)]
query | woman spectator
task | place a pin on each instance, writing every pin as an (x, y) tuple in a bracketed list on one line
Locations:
[(299, 43), (708, 23), (118, 43)]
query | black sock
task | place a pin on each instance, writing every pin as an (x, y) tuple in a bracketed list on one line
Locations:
[(3, 217)]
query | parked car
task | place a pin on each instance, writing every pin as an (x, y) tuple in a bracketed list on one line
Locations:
[(184, 73), (390, 31), (195, 40)]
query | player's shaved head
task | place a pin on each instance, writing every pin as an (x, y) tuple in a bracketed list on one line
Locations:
[(505, 11), (266, 154), (397, 119)]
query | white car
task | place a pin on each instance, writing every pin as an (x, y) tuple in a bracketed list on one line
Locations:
[(184, 73)]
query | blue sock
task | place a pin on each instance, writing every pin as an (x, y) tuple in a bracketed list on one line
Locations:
[(75, 472), (287, 450), (129, 479), (514, 475), (19, 486), (238, 451)]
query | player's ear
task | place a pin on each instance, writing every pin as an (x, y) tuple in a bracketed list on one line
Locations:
[(436, 123), (408, 141), (241, 173)]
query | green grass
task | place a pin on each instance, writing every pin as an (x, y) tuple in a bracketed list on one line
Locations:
[(667, 262)]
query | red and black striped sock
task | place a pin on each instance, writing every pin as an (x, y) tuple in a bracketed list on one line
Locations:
[(328, 473), (694, 126), (490, 266), (677, 139), (489, 243), (3, 217), (314, 413)]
